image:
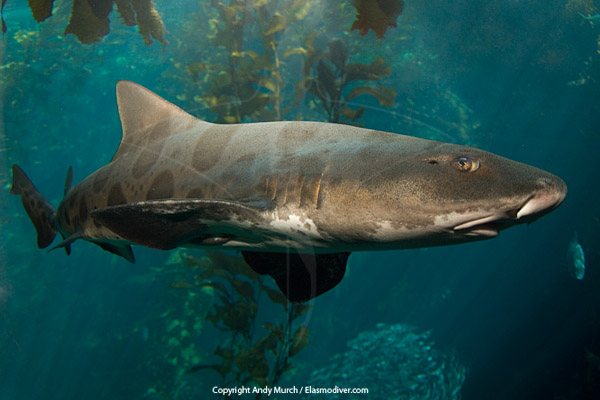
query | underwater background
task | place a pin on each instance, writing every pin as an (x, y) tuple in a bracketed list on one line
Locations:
[(507, 318)]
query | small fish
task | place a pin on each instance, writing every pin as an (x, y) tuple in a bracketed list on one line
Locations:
[(576, 259)]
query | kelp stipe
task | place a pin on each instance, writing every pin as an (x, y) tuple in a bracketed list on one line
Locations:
[(248, 84), (245, 357), (333, 74)]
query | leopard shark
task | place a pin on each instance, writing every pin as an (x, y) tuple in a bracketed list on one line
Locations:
[(296, 198)]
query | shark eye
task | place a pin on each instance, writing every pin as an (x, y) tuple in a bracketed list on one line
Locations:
[(465, 164)]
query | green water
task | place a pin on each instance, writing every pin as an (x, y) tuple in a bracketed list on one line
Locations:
[(518, 78)]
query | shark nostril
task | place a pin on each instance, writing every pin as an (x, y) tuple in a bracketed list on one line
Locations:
[(512, 214), (545, 183), (553, 184)]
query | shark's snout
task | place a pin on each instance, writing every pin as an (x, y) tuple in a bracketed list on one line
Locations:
[(548, 194), (552, 193)]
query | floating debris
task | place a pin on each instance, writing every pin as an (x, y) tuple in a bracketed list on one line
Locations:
[(393, 362), (576, 259)]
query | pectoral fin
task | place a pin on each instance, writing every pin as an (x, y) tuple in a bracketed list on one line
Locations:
[(166, 224), (300, 277), (66, 243), (120, 250)]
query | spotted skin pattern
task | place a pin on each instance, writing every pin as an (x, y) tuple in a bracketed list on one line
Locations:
[(269, 187)]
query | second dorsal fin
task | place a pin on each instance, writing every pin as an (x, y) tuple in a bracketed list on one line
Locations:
[(68, 181)]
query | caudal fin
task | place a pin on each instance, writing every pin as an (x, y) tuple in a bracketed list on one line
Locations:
[(40, 211)]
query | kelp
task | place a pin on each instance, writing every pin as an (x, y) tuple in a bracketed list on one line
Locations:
[(246, 358), (41, 9), (377, 15), (88, 25), (231, 93), (148, 20), (89, 18), (248, 84), (2, 16), (222, 320), (333, 73)]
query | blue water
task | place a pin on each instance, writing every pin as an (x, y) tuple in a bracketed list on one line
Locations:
[(518, 78)]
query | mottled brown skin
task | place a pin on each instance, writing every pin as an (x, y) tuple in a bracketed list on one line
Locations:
[(345, 182), (295, 197)]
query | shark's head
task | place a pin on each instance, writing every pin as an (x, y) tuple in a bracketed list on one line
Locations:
[(473, 194), (439, 193)]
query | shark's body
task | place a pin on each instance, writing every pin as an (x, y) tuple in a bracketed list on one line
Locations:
[(293, 196)]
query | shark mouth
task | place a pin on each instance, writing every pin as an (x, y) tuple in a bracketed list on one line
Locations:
[(531, 209)]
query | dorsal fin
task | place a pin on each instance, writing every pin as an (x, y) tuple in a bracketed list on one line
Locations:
[(147, 117)]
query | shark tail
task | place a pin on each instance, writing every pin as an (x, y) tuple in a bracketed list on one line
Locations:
[(40, 211)]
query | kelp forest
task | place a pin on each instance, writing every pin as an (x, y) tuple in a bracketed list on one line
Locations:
[(231, 61), (208, 319)]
